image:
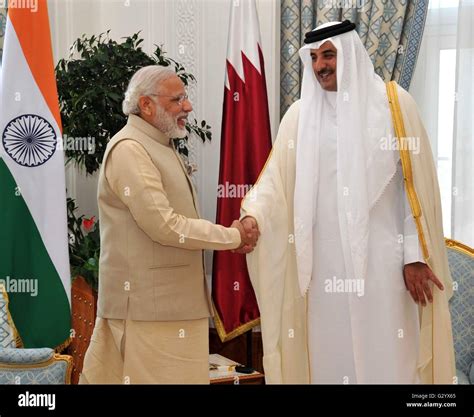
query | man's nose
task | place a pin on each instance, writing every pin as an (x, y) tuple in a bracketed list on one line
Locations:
[(187, 106), (320, 66)]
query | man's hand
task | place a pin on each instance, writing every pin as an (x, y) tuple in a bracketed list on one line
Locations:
[(249, 234), (250, 224), (417, 276)]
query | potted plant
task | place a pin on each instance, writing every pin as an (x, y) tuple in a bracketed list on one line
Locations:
[(84, 246), (84, 251), (91, 86)]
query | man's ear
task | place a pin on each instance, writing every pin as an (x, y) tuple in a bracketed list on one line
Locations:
[(145, 105)]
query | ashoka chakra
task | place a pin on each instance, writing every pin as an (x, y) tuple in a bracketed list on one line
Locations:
[(29, 139)]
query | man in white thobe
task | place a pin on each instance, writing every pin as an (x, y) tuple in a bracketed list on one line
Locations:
[(340, 245)]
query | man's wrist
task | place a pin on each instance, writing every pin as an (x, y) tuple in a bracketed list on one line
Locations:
[(236, 237)]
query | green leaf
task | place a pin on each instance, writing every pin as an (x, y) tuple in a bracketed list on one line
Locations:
[(114, 96)]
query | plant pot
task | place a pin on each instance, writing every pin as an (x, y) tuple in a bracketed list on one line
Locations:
[(84, 311)]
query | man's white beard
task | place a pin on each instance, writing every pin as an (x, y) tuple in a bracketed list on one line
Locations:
[(168, 124)]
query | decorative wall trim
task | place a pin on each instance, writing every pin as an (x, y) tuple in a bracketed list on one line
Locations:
[(187, 18)]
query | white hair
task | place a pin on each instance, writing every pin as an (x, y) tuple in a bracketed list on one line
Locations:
[(144, 82)]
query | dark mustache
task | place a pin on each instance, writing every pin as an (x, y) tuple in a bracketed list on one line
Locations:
[(325, 71)]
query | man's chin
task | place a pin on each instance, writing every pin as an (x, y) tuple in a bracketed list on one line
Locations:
[(328, 86), (179, 133)]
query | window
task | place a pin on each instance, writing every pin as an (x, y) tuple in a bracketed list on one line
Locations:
[(443, 4), (446, 97), (433, 88)]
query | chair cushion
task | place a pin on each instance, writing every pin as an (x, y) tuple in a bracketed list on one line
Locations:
[(7, 330), (462, 378), (461, 266)]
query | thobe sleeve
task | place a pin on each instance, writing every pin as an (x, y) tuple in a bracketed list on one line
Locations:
[(260, 202), (271, 265), (411, 245), (129, 167)]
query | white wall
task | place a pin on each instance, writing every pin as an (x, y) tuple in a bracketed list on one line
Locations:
[(201, 26)]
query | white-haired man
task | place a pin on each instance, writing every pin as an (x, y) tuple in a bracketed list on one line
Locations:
[(349, 223), (153, 307)]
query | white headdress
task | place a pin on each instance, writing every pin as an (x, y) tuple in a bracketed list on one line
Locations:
[(364, 168)]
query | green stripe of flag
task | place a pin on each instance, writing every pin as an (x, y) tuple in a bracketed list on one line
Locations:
[(42, 319)]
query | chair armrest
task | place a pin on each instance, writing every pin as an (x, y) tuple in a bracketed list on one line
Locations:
[(34, 366), (14, 356)]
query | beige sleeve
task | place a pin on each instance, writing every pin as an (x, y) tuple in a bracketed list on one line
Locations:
[(137, 183)]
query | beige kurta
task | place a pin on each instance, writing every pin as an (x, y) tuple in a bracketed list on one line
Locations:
[(147, 352), (272, 266), (153, 303)]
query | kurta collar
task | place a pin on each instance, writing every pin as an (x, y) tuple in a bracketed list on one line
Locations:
[(151, 131)]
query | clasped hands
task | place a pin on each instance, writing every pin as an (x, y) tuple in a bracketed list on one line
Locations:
[(249, 234)]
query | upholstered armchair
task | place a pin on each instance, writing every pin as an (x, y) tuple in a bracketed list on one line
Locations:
[(461, 265), (27, 366)]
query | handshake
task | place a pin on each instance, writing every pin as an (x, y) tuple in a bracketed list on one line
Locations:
[(249, 234)]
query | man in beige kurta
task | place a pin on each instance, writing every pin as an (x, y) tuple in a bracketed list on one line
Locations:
[(330, 201), (153, 306)]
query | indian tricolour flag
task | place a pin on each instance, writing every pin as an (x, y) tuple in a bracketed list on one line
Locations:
[(34, 263)]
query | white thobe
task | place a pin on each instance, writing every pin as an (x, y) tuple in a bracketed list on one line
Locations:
[(371, 338), (379, 354)]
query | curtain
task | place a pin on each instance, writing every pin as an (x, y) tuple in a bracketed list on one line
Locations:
[(391, 31), (3, 23), (462, 224), (442, 86)]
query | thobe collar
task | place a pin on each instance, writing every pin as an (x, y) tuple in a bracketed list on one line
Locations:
[(150, 130), (331, 97)]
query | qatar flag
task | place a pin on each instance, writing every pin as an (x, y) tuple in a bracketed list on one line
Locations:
[(245, 146)]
